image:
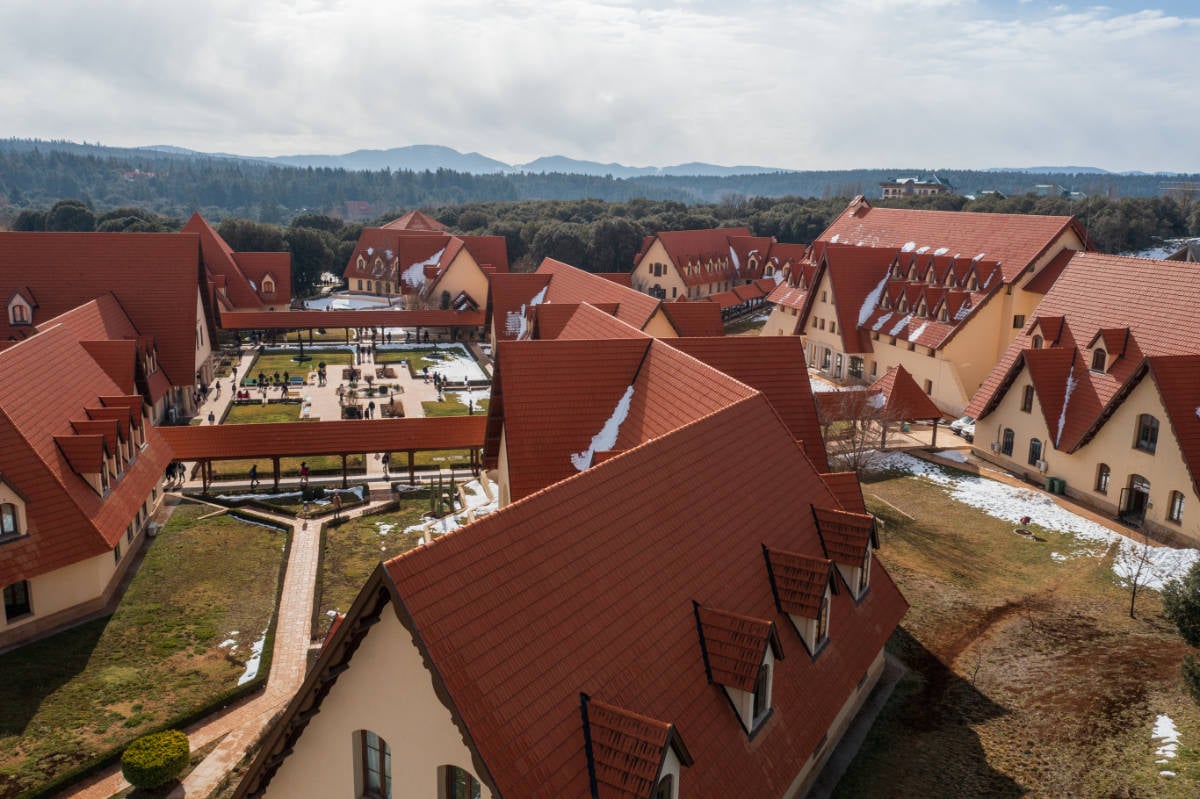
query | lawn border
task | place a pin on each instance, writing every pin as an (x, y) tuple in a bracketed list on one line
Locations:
[(187, 718)]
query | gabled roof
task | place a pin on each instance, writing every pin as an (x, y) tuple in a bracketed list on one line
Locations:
[(846, 535), (240, 275), (488, 251), (799, 581), (568, 284), (510, 297), (905, 399), (1093, 295), (694, 318), (43, 457), (583, 321), (1015, 240), (154, 276), (774, 365), (620, 278), (1177, 378), (734, 646), (415, 220), (625, 750), (1043, 280), (856, 275)]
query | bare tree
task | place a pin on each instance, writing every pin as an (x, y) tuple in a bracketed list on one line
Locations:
[(853, 426), (1132, 563)]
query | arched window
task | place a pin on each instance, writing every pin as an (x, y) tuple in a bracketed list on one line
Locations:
[(1037, 342), (769, 271), (18, 314), (1035, 451), (458, 783), (944, 314), (1027, 399), (823, 620), (1006, 441), (9, 524), (374, 766), (1102, 475), (268, 285), (665, 788), (1099, 359), (1147, 433), (1175, 508), (361, 263)]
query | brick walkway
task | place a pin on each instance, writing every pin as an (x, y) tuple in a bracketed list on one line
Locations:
[(243, 724)]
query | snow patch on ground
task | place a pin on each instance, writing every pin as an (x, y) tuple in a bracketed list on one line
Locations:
[(952, 455), (1012, 504), (255, 659), (384, 528), (607, 437), (1167, 734)]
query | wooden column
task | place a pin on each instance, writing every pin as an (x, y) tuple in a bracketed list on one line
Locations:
[(344, 483), (275, 470), (933, 441), (883, 435), (412, 468)]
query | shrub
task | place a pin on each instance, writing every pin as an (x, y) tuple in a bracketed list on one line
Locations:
[(155, 759), (1181, 604), (1191, 675)]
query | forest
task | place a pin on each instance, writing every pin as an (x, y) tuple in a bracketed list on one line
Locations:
[(604, 236)]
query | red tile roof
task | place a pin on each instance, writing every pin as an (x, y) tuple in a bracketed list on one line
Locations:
[(195, 442), (40, 453), (240, 275), (620, 278), (625, 750), (415, 220), (694, 318), (568, 284), (854, 273), (584, 321), (1177, 378), (799, 581), (846, 535), (1015, 240), (258, 265), (1043, 280), (489, 251), (734, 646), (725, 299), (775, 366), (905, 399), (847, 489), (1080, 308), (154, 276), (509, 302)]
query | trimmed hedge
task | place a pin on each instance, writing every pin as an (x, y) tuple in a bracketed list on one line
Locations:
[(155, 759)]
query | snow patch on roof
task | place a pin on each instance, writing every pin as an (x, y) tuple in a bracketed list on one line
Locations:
[(607, 437), (879, 323), (877, 400), (895, 331), (871, 301), (909, 247), (737, 264), (962, 312), (1062, 416), (834, 240), (415, 275), (923, 250), (941, 251), (916, 334)]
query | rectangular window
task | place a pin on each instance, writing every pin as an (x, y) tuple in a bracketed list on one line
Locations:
[(1018, 321), (833, 327), (16, 601), (929, 387), (822, 325), (1102, 475), (1147, 433), (814, 322), (1027, 400), (117, 554), (762, 694), (1175, 509), (912, 347)]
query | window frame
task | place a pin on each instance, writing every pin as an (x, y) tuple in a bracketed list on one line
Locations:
[(10, 521), (1103, 477), (1036, 450), (1008, 441), (17, 607), (1146, 438), (1027, 399), (1175, 507), (374, 762)]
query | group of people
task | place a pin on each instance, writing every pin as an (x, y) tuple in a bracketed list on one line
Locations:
[(176, 474)]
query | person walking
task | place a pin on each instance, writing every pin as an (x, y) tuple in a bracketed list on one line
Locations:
[(253, 475), (304, 473), (212, 418)]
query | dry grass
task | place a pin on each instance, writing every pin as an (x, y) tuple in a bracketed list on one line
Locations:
[(1028, 676)]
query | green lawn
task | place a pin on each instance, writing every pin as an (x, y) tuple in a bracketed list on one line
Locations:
[(271, 362), (452, 407), (90, 690), (257, 413), (419, 358), (288, 467), (353, 550)]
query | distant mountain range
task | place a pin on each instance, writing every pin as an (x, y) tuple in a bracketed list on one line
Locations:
[(432, 157)]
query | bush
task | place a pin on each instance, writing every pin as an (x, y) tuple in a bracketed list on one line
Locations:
[(1181, 604), (1191, 676), (155, 759)]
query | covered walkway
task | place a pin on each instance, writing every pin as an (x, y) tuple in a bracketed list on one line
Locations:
[(311, 320), (205, 444)]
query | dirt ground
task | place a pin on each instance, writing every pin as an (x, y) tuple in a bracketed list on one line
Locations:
[(1028, 676)]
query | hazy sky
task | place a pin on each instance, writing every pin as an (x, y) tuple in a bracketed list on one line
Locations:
[(806, 84)]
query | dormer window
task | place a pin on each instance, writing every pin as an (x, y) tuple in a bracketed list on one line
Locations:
[(19, 311), (931, 279), (1037, 342), (922, 310), (631, 749), (896, 273), (912, 273), (361, 263), (802, 587), (944, 314), (951, 281), (268, 285), (739, 655), (902, 306), (1099, 359), (973, 284), (848, 538), (885, 303)]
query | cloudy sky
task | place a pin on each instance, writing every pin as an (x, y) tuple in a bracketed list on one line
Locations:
[(806, 84)]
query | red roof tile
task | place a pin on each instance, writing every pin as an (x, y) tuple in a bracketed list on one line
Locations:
[(775, 366), (694, 318), (905, 399), (1043, 280), (415, 220), (489, 251), (734, 646), (1015, 240), (1177, 378), (799, 581), (571, 285), (510, 298), (584, 321), (620, 278), (154, 277), (847, 489), (625, 750), (854, 273), (846, 535)]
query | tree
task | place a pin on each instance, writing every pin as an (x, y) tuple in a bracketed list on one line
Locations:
[(1181, 604), (312, 255), (30, 220), (1132, 564), (70, 215), (852, 424), (1191, 676), (245, 235)]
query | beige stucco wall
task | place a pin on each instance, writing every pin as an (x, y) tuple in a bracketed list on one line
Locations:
[(1113, 445), (386, 690), (463, 274), (643, 277), (203, 343), (659, 326), (782, 322)]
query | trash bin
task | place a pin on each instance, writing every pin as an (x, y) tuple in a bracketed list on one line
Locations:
[(1062, 486), (1050, 483), (906, 427)]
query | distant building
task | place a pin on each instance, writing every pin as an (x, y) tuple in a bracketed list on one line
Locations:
[(915, 187)]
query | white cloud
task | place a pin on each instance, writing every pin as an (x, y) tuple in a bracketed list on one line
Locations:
[(916, 83)]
